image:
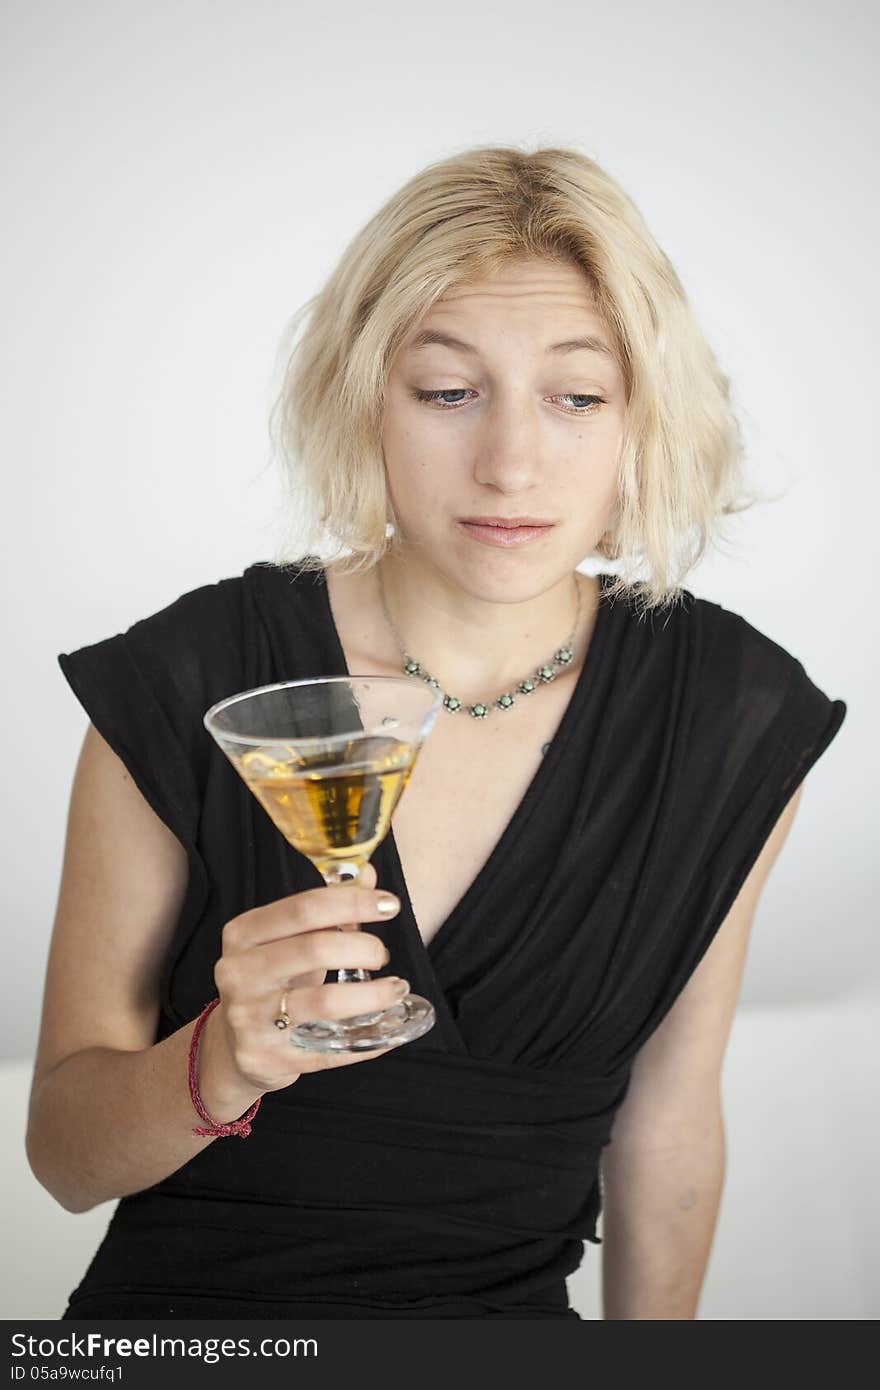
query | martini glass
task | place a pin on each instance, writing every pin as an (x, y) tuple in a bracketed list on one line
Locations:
[(328, 759)]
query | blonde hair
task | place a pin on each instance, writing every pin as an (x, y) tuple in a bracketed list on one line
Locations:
[(460, 220)]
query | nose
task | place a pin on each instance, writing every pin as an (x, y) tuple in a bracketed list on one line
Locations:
[(508, 450)]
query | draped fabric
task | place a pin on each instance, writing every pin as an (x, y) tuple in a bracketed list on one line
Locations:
[(458, 1175)]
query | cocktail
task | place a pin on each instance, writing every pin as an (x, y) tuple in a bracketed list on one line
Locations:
[(328, 759)]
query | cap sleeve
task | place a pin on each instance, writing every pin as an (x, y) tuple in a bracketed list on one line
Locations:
[(146, 690), (775, 724), (756, 724)]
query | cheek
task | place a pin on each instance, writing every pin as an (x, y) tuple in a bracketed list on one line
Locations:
[(415, 486), (403, 445), (421, 470), (593, 457)]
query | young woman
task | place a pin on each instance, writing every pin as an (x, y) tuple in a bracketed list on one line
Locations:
[(501, 380)]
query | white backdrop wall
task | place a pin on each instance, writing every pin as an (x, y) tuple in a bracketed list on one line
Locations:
[(181, 177)]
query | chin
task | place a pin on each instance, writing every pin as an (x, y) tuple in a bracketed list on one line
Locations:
[(505, 577), (494, 573)]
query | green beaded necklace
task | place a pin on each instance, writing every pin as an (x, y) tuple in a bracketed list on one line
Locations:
[(543, 675)]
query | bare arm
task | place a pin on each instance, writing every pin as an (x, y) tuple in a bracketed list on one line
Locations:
[(660, 1213), (110, 1111), (663, 1172), (106, 1122)]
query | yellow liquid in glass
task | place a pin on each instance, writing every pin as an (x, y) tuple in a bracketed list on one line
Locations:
[(332, 804)]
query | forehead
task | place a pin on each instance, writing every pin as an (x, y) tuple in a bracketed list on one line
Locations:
[(544, 298), (525, 282)]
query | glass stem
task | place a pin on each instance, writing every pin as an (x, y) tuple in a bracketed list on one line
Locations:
[(348, 871)]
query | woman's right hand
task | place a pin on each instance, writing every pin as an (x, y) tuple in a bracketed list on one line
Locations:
[(289, 945)]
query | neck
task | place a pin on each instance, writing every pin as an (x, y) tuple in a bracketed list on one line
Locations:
[(474, 646)]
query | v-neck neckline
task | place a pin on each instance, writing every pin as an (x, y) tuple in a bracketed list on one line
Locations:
[(545, 771)]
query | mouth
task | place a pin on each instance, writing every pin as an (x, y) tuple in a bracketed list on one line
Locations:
[(513, 531)]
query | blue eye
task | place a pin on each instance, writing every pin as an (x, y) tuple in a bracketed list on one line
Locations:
[(575, 396), (434, 398)]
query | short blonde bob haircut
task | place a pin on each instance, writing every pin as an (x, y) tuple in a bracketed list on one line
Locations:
[(459, 221)]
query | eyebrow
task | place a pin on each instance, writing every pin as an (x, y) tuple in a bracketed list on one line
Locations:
[(427, 336)]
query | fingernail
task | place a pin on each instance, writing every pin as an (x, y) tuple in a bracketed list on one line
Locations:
[(387, 956), (401, 986), (386, 902)]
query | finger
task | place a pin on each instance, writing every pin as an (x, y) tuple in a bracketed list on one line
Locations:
[(367, 880), (279, 963), (330, 906), (345, 1001)]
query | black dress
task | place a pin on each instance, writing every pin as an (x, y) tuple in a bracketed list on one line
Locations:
[(456, 1176)]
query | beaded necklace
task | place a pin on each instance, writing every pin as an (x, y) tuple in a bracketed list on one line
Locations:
[(542, 675)]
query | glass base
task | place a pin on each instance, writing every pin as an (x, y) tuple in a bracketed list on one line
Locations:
[(403, 1022)]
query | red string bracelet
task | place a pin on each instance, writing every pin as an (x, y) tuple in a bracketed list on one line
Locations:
[(241, 1127)]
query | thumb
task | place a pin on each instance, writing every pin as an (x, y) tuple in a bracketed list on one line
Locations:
[(368, 876)]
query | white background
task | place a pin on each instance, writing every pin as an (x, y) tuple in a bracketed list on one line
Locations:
[(180, 177)]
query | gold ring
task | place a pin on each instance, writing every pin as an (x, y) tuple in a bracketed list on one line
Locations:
[(283, 1019)]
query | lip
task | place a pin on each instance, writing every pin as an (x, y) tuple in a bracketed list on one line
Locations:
[(505, 535), (508, 521)]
